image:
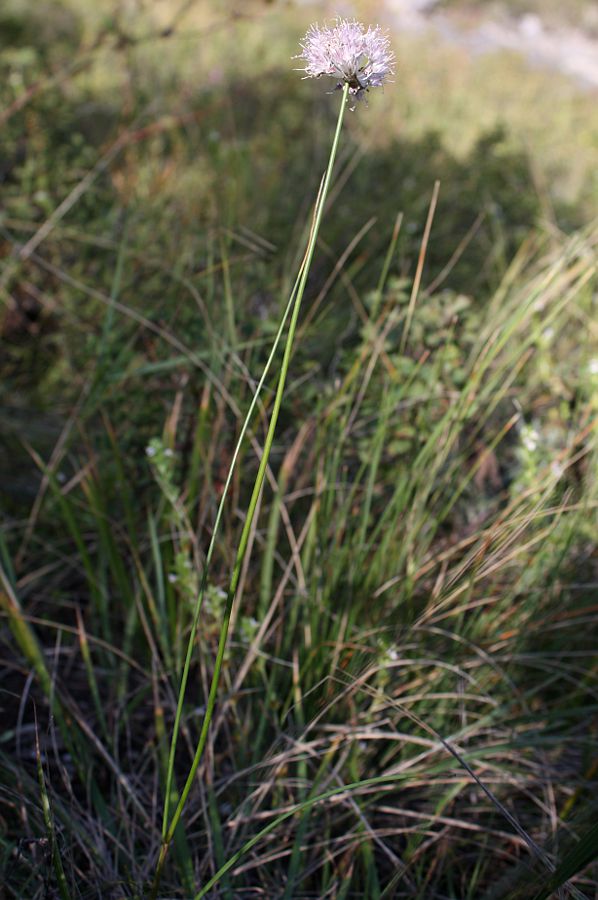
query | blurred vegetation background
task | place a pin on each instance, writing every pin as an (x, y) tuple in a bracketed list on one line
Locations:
[(424, 566)]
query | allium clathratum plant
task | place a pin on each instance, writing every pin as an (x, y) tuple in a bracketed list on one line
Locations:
[(359, 59)]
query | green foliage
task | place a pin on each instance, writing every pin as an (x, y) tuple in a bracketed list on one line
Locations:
[(414, 637)]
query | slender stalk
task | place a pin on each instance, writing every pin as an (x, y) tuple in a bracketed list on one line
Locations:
[(215, 530), (209, 554), (49, 822), (168, 832)]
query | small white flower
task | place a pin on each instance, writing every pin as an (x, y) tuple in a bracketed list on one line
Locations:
[(362, 59), (173, 578), (150, 451), (593, 366), (530, 438)]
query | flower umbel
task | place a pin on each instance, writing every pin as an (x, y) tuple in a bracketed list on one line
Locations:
[(362, 59)]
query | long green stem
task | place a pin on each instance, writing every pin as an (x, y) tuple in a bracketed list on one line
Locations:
[(168, 833), (215, 530), (210, 553)]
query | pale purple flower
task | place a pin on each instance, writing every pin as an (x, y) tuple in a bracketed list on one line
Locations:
[(362, 59)]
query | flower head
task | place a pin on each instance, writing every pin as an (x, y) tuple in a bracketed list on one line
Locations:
[(362, 59)]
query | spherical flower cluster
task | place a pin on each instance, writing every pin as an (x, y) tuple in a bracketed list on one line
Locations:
[(362, 59)]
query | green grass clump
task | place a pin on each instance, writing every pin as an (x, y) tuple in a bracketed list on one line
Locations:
[(407, 705)]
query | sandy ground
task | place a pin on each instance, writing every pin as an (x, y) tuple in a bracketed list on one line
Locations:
[(568, 50)]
